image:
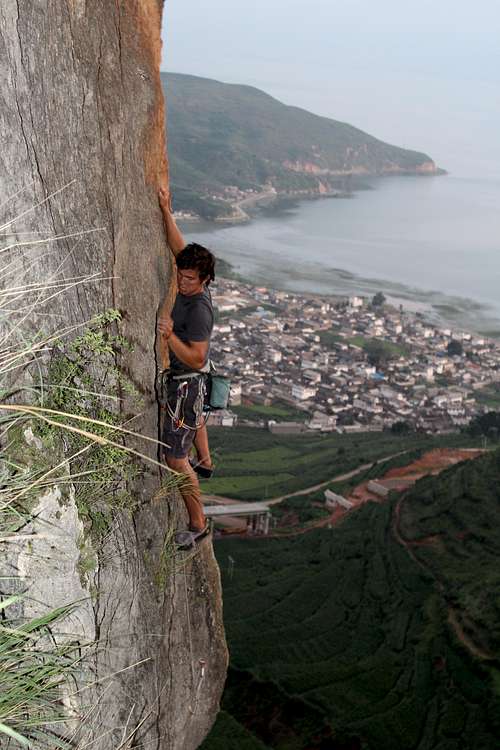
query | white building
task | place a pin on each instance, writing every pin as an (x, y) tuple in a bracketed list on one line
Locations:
[(302, 392), (235, 394), (377, 489), (224, 304), (274, 355), (332, 500), (308, 364), (322, 422), (222, 418), (355, 301), (313, 375)]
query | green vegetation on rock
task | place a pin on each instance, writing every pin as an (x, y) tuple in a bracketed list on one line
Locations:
[(84, 381)]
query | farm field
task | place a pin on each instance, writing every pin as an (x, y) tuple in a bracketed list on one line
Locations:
[(381, 633), (489, 397), (304, 510), (253, 464), (387, 349), (277, 411)]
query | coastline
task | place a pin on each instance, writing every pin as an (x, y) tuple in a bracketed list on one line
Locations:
[(447, 313), (436, 309), (270, 196), (427, 311), (386, 240), (265, 199)]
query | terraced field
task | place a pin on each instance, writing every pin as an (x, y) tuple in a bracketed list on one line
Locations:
[(380, 634), (452, 527)]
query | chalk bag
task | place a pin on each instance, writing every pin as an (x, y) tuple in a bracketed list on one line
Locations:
[(218, 388)]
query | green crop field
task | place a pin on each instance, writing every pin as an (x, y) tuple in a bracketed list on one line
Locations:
[(308, 508), (278, 412), (300, 510), (385, 349), (253, 464), (489, 396), (461, 511), (342, 639)]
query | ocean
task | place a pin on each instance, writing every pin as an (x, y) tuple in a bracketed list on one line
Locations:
[(429, 243)]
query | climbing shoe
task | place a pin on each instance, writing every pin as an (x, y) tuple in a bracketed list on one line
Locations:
[(185, 540)]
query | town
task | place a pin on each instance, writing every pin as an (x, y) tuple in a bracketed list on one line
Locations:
[(348, 365)]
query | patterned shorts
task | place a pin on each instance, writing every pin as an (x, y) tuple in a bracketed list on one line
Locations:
[(183, 414)]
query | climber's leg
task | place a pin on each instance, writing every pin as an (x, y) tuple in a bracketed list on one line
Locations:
[(202, 449), (190, 491), (183, 414)]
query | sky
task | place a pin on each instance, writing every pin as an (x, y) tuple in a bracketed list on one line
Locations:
[(422, 75)]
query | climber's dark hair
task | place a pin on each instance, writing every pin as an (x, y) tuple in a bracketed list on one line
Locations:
[(197, 257)]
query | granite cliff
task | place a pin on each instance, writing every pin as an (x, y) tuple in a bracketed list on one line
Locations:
[(83, 155)]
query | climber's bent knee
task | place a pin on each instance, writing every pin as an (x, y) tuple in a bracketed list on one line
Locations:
[(177, 464)]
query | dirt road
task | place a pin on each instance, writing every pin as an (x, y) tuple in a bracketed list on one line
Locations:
[(338, 478), (221, 500)]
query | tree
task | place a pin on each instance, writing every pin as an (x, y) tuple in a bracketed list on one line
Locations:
[(83, 154), (400, 428), (378, 300), (377, 352), (455, 348), (485, 424)]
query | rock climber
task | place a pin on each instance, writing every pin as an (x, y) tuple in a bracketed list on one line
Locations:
[(186, 332)]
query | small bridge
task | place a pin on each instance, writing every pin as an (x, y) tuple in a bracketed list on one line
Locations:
[(257, 515)]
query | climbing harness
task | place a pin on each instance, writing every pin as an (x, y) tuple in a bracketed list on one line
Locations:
[(177, 414), (213, 394)]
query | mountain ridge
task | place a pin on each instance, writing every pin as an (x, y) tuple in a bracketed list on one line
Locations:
[(229, 143)]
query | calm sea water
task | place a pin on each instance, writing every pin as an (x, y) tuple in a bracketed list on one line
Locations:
[(430, 243)]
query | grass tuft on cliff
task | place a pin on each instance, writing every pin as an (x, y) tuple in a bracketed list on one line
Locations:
[(59, 428)]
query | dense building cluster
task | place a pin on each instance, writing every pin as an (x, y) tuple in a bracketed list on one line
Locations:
[(349, 365)]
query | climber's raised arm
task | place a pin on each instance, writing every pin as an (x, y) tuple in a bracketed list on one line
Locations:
[(175, 239)]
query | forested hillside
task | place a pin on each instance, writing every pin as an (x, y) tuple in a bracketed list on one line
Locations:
[(381, 633), (224, 135)]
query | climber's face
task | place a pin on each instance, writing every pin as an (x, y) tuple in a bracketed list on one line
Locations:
[(189, 282)]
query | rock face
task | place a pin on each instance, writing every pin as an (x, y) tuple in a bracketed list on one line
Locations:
[(83, 154)]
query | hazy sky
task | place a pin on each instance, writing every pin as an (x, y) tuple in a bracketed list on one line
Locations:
[(424, 74)]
